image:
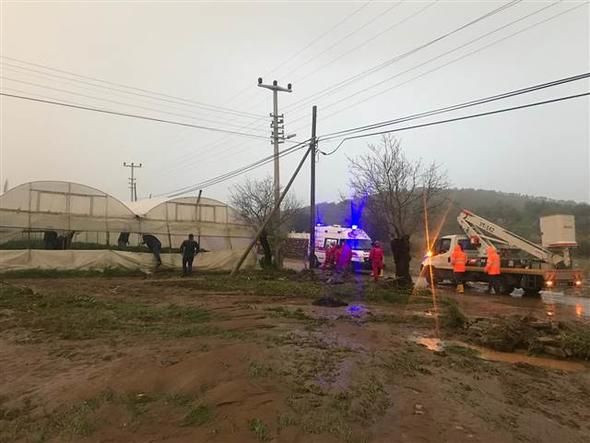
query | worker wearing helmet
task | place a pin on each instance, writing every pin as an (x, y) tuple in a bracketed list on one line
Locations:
[(376, 259), (492, 268), (459, 261)]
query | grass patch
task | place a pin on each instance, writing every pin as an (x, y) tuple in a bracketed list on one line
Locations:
[(260, 429), (82, 317), (72, 273), (197, 416), (281, 311), (453, 318), (81, 420), (258, 369)]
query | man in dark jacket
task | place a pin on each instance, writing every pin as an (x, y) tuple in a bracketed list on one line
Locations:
[(154, 246), (189, 249)]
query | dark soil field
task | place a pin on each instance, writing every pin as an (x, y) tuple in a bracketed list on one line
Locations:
[(251, 359)]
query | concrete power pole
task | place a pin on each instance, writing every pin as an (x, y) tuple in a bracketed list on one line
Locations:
[(313, 149), (132, 179), (278, 137)]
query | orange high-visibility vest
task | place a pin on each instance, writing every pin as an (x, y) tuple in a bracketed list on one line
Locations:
[(458, 259), (493, 263)]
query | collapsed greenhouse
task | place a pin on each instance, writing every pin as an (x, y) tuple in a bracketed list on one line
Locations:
[(64, 225)]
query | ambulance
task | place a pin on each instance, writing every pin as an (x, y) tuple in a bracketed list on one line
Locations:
[(325, 236)]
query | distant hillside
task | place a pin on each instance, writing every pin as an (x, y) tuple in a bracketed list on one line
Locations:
[(518, 213)]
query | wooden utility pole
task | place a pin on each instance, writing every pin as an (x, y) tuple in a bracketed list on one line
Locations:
[(312, 148), (272, 214)]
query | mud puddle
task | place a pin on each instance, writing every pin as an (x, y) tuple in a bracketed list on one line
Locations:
[(438, 345)]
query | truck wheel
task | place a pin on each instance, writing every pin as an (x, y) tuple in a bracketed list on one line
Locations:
[(506, 289), (435, 278), (532, 292)]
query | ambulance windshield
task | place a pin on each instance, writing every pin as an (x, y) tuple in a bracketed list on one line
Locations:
[(359, 244)]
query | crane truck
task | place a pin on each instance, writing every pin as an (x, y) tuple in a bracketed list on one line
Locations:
[(524, 264)]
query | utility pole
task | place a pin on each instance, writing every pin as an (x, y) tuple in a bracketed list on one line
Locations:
[(272, 214), (278, 137), (312, 147), (132, 179)]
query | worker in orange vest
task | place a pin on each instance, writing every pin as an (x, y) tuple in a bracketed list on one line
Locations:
[(459, 262), (376, 258), (492, 268)]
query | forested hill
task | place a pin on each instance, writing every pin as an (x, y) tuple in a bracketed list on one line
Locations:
[(516, 212)]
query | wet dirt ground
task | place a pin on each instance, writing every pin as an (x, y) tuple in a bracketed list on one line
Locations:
[(564, 304), (264, 368)]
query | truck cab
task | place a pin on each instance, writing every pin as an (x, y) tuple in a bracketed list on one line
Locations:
[(439, 257)]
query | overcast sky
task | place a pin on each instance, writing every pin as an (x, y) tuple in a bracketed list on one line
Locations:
[(213, 53)]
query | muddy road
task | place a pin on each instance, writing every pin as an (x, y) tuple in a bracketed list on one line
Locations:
[(136, 360)]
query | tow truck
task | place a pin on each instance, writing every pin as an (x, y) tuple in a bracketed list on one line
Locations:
[(524, 264)]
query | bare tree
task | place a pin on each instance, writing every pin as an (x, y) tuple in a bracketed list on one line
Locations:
[(254, 200), (397, 190)]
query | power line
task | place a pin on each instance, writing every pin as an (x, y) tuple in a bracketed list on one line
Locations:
[(467, 104), (333, 89), (141, 117), (322, 35), (266, 160), (465, 117), (93, 97), (349, 96), (347, 36), (364, 43), (228, 175), (300, 51), (332, 114), (142, 92), (399, 57)]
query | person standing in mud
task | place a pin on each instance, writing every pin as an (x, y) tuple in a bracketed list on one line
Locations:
[(344, 258), (189, 249), (376, 258), (459, 262), (492, 269), (330, 254)]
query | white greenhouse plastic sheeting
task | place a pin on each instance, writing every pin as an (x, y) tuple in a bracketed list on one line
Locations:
[(30, 209), (16, 260)]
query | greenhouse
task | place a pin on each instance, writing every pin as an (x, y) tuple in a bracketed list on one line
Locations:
[(63, 225)]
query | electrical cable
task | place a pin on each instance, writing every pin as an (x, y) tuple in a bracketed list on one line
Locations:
[(142, 92), (495, 11), (349, 96), (322, 35), (347, 36), (332, 114), (93, 97), (364, 43), (399, 57), (261, 162), (228, 175), (466, 104), (125, 114), (465, 117)]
